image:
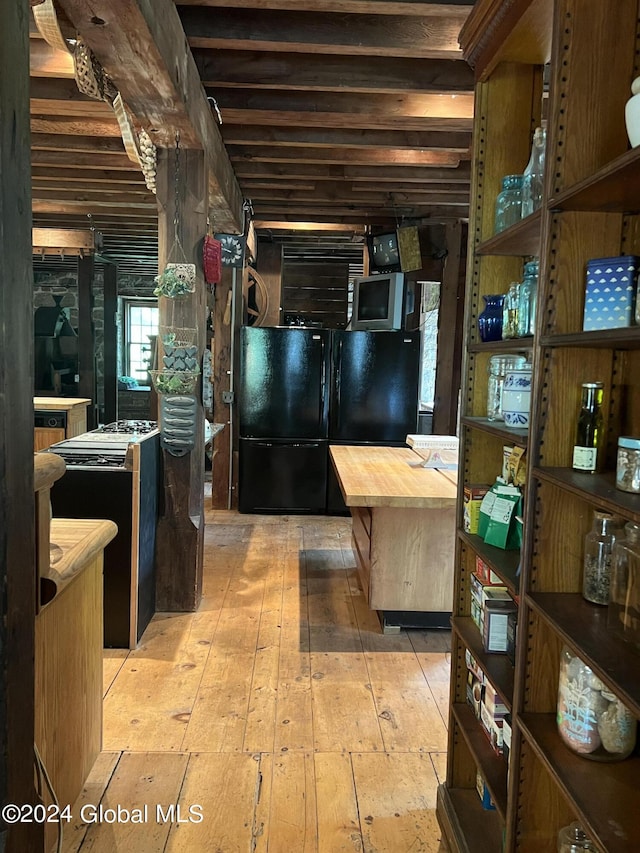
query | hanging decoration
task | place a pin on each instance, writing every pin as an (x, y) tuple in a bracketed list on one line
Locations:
[(46, 19), (148, 157), (212, 259), (89, 74)]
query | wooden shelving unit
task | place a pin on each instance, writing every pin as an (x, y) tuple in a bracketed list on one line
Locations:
[(591, 209)]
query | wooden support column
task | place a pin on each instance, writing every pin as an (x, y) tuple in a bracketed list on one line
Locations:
[(269, 265), (180, 538), (222, 326), (110, 343), (86, 337), (450, 333), (17, 506)]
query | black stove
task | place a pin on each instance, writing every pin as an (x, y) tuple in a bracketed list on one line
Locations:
[(128, 426)]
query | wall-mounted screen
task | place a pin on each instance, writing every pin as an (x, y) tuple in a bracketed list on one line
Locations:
[(378, 302)]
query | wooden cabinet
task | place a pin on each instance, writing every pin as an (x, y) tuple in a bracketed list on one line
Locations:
[(590, 210), (57, 418)]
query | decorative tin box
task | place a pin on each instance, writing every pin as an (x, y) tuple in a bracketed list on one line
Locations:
[(610, 292)]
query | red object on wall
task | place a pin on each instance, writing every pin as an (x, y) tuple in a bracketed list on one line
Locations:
[(212, 260)]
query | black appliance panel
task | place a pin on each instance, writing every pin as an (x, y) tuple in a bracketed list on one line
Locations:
[(282, 476), (50, 420), (104, 494), (374, 390), (284, 376)]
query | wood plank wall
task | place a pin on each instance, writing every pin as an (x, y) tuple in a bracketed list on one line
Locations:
[(316, 292)]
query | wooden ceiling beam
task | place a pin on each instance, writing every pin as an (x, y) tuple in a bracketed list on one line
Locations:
[(54, 96), (331, 73), (66, 187), (86, 176), (389, 200), (70, 143), (351, 156), (81, 160), (141, 45), (75, 126), (346, 109), (90, 208), (339, 138), (380, 7), (323, 32), (442, 213), (326, 189), (100, 199), (382, 174)]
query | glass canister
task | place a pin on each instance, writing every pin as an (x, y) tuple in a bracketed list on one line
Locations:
[(592, 721), (598, 546), (490, 320), (573, 839), (509, 203), (510, 311), (528, 298), (498, 367), (623, 616), (628, 465)]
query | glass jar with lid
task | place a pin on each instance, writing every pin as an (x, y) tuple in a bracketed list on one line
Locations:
[(623, 617), (573, 839), (598, 547), (628, 464), (527, 299), (592, 721), (509, 203), (498, 367)]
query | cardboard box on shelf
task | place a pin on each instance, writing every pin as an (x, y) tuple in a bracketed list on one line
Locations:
[(473, 495), (496, 617)]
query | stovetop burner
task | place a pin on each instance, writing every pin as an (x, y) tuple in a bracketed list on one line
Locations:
[(77, 459), (129, 426)]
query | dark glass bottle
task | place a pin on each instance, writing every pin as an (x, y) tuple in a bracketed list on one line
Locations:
[(589, 430)]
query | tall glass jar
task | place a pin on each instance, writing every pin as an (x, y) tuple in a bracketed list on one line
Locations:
[(598, 546), (592, 721), (623, 617), (528, 297), (573, 839), (509, 203), (533, 178), (497, 368), (510, 311)]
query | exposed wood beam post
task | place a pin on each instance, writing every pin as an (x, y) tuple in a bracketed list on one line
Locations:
[(142, 46), (17, 507), (222, 325), (450, 333), (269, 266), (110, 343), (86, 337), (180, 540)]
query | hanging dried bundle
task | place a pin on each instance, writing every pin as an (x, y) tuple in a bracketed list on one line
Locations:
[(148, 159)]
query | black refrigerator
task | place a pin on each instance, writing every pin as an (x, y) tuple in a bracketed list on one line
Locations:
[(374, 393), (301, 389), (283, 411)]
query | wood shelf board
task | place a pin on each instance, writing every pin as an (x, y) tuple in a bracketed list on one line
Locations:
[(492, 766), (498, 668), (613, 188), (519, 437), (597, 489), (466, 825), (503, 563), (584, 626), (516, 345), (605, 796), (521, 239), (617, 339)]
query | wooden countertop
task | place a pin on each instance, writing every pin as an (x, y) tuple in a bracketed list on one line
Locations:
[(385, 476), (73, 543), (58, 404)]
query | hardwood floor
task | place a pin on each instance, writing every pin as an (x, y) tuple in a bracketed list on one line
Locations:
[(278, 712)]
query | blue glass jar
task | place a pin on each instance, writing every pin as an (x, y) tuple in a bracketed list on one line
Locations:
[(509, 203), (490, 320)]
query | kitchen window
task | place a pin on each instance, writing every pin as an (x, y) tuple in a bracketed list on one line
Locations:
[(141, 323)]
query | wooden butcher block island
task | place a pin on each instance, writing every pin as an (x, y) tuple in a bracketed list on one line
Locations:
[(403, 529)]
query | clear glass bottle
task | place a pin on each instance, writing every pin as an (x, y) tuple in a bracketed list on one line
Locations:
[(533, 178), (591, 720), (573, 839), (589, 428), (598, 545), (628, 464), (497, 368), (528, 297), (623, 616), (509, 203), (510, 311)]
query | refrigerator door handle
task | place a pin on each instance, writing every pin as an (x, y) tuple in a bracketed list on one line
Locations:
[(286, 444), (323, 382), (338, 369)]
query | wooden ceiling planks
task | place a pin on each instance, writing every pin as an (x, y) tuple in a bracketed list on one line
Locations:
[(332, 110)]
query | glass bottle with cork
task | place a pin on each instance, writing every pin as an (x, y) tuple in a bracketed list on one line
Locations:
[(589, 429)]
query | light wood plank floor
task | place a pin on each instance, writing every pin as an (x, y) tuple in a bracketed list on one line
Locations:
[(278, 713)]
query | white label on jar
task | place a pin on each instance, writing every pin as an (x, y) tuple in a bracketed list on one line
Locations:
[(584, 458)]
